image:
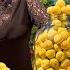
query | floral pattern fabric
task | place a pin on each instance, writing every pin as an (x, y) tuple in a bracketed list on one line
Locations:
[(5, 16), (37, 12), (5, 12)]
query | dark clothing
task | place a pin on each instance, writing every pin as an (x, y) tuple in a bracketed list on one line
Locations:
[(15, 53), (14, 50), (15, 28)]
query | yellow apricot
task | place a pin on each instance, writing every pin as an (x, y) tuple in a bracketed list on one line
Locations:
[(60, 29), (65, 63), (54, 63), (40, 68), (50, 53), (56, 23), (56, 47), (68, 68), (60, 56), (50, 69), (65, 45), (45, 63), (38, 62), (58, 39), (60, 3), (51, 34), (47, 44)]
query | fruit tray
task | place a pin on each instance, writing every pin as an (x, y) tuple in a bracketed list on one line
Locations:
[(52, 41)]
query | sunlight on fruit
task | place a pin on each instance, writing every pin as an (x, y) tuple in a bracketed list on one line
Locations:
[(52, 47)]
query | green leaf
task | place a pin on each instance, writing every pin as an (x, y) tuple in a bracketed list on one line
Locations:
[(67, 1), (44, 1), (48, 2)]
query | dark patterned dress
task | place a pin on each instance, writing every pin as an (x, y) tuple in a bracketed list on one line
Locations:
[(16, 20), (37, 12)]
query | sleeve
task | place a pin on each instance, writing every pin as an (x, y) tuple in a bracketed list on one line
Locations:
[(37, 12)]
